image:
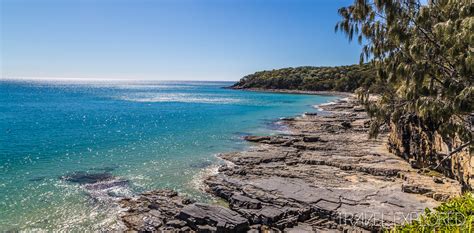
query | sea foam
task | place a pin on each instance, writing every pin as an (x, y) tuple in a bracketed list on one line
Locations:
[(180, 97)]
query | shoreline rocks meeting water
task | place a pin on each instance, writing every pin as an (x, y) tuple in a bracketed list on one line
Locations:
[(325, 175)]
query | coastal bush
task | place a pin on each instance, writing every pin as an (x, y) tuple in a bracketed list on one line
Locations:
[(456, 215), (308, 78), (423, 55)]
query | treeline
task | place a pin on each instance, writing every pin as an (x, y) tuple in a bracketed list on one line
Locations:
[(423, 55), (308, 78)]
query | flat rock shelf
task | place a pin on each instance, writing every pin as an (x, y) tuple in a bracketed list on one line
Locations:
[(326, 175)]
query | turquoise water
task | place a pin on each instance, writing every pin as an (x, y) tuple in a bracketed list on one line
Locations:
[(152, 134)]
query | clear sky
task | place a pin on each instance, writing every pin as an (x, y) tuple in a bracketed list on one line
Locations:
[(168, 39)]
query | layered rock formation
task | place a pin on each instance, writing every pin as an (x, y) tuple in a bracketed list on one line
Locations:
[(324, 175), (422, 147)]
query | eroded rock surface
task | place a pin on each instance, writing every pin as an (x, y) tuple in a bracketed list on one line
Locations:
[(212, 216), (325, 175)]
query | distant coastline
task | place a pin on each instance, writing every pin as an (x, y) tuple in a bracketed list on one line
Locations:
[(292, 91)]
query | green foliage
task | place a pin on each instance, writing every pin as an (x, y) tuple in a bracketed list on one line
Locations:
[(340, 78), (424, 59), (456, 215)]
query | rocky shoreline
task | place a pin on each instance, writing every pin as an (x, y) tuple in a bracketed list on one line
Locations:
[(326, 175), (291, 91)]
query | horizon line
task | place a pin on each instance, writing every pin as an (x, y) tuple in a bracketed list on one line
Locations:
[(34, 78)]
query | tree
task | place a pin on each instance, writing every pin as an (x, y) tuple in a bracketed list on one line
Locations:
[(423, 55)]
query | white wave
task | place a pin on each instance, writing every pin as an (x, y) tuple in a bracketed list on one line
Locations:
[(326, 104), (197, 182), (319, 107), (180, 97)]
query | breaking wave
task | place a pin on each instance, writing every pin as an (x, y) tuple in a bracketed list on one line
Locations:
[(180, 97)]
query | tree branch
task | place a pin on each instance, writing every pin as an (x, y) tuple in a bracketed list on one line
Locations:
[(452, 153)]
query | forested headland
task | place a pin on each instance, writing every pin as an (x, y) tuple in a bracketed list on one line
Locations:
[(310, 78)]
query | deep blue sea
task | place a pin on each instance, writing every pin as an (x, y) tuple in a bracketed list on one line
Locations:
[(151, 134)]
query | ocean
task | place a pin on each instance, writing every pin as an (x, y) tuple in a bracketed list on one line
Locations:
[(146, 134)]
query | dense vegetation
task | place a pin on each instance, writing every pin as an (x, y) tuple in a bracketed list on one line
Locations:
[(418, 57), (340, 78), (424, 57), (456, 215)]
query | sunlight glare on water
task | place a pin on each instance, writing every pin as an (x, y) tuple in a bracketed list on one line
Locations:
[(141, 134)]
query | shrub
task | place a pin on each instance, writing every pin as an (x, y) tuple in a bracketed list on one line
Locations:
[(456, 215)]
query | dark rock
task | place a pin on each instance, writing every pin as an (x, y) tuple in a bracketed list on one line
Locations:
[(288, 143), (278, 140), (415, 164), (292, 162), (150, 210), (148, 221), (273, 140), (311, 113), (206, 229), (269, 215), (300, 146), (221, 191), (223, 168), (225, 220), (409, 188), (311, 139), (241, 172), (87, 178), (346, 125), (438, 180), (256, 138), (358, 108), (238, 200), (441, 197), (187, 201), (367, 123), (176, 223)]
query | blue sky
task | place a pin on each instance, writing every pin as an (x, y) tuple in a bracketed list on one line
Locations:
[(168, 39)]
